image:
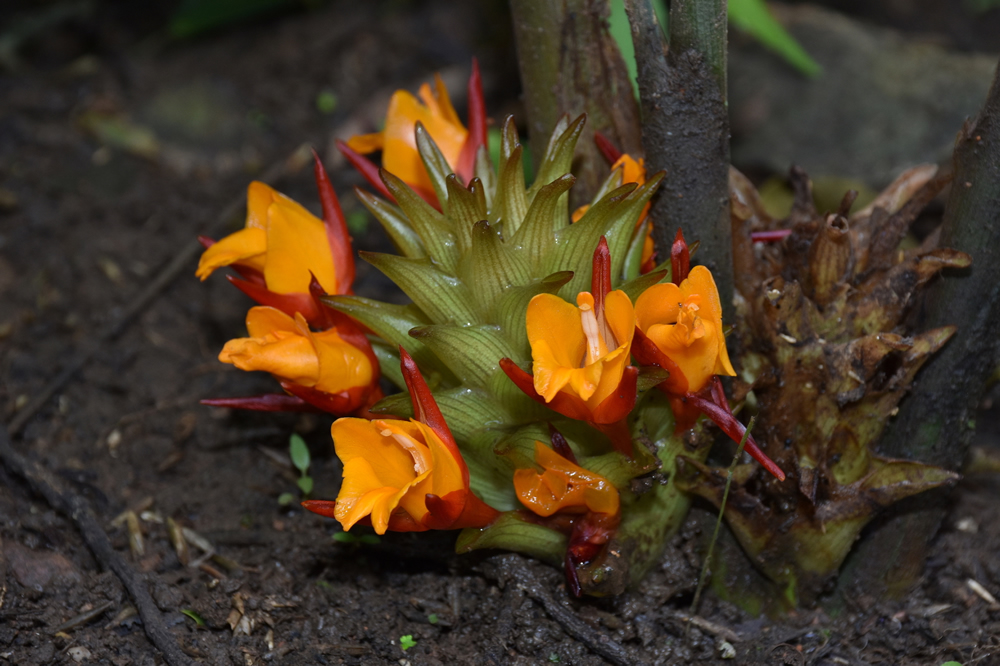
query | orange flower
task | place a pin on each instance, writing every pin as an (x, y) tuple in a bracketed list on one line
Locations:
[(581, 353), (397, 141), (285, 347), (563, 486), (577, 349), (390, 467), (404, 476), (282, 241), (685, 325)]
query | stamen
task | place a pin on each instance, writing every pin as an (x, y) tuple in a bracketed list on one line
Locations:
[(591, 331), (409, 445)]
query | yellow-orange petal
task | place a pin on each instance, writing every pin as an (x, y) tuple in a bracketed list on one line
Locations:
[(341, 364), (246, 247), (285, 355), (633, 171), (264, 319), (297, 249), (563, 486), (556, 322), (366, 143), (700, 281), (260, 196), (657, 305)]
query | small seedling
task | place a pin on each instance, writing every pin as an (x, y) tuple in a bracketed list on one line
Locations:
[(406, 642), (554, 658), (432, 618), (326, 101), (300, 458), (194, 616)]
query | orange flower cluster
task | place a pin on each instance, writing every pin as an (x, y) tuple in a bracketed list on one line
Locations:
[(288, 259)]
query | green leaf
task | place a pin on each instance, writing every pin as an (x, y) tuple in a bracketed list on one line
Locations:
[(442, 297), (284, 499), (576, 243), (486, 175), (406, 642), (492, 266), (436, 165), (305, 484), (388, 360), (429, 224), (511, 531), (650, 377), (473, 353), (299, 452), (511, 202), (392, 323), (194, 616), (546, 215), (465, 410), (559, 155), (754, 17), (400, 232), (466, 206)]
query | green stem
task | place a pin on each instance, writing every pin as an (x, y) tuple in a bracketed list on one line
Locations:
[(935, 424), (570, 64), (686, 128)]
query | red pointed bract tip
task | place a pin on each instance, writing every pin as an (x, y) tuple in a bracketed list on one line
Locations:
[(606, 148), (287, 303), (680, 259), (426, 410), (600, 277), (466, 167), (366, 168), (560, 445), (718, 410), (269, 402), (770, 236), (336, 228)]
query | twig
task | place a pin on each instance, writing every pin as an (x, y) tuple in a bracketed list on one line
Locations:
[(718, 521), (512, 569), (76, 509), (146, 296)]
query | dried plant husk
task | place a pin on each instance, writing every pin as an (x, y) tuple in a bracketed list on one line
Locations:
[(828, 356)]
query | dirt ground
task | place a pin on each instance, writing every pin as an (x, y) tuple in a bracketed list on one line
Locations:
[(118, 145)]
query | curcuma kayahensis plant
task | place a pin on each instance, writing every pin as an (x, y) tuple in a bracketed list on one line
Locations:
[(554, 378)]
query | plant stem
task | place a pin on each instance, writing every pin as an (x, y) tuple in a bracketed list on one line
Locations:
[(936, 423), (685, 128), (570, 64)]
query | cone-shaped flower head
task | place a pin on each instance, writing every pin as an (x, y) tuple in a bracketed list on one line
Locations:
[(404, 476), (282, 242), (563, 486), (285, 347), (684, 322)]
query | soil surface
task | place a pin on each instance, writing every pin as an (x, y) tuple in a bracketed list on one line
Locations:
[(118, 146)]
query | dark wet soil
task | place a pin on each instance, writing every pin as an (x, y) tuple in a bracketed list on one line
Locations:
[(91, 212)]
